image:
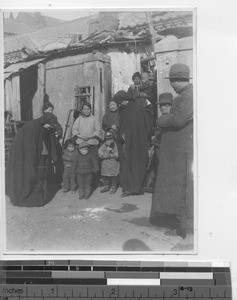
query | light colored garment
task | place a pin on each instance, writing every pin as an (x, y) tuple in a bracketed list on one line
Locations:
[(87, 126)]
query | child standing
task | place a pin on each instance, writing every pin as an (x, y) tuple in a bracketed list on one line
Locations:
[(165, 104), (85, 166), (108, 154), (86, 128), (69, 176)]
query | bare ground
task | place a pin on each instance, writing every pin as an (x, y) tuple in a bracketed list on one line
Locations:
[(103, 223)]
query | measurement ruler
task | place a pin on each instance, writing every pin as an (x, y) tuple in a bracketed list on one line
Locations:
[(89, 280)]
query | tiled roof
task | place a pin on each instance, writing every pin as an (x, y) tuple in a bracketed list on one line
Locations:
[(57, 44), (133, 26), (130, 20), (14, 44), (43, 36)]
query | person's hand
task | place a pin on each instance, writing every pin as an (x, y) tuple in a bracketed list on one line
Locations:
[(84, 138), (47, 126), (114, 127), (153, 138), (124, 103)]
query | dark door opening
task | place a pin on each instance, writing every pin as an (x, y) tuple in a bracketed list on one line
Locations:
[(28, 88)]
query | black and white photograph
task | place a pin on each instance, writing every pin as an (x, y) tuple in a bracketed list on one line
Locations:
[(99, 131)]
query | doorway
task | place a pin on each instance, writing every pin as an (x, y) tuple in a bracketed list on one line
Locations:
[(28, 88)]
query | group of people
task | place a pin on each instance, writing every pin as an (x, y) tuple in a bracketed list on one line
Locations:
[(115, 152)]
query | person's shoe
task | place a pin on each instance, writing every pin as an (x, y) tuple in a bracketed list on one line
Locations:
[(148, 189), (105, 189), (65, 190), (101, 183), (87, 197), (171, 232), (126, 194), (113, 190), (81, 197)]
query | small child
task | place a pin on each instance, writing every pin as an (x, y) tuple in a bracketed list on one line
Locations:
[(85, 166), (145, 90), (69, 176), (108, 154), (165, 104)]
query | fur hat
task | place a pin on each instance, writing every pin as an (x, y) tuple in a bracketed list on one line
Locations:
[(83, 145), (179, 71), (136, 74), (109, 135), (165, 98)]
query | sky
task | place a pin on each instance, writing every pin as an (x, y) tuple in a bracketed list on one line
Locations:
[(68, 15)]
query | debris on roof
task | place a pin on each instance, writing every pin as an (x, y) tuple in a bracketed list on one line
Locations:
[(57, 44), (112, 28)]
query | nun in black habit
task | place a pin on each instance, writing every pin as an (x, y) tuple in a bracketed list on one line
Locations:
[(32, 151), (133, 141)]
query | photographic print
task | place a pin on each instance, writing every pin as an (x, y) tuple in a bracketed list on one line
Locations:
[(99, 136)]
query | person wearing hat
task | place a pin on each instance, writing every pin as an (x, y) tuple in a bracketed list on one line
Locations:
[(172, 202), (85, 166), (165, 103), (108, 153)]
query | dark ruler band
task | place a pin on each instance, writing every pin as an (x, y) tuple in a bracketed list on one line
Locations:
[(40, 280)]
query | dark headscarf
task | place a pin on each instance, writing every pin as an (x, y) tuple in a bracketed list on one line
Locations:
[(48, 118), (46, 105), (121, 96)]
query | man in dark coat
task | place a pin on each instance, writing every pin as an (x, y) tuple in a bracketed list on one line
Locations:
[(172, 203), (32, 151)]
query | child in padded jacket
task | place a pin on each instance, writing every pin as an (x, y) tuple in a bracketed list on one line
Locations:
[(85, 166), (69, 177), (108, 153)]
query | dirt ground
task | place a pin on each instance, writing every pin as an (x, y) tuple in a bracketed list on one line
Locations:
[(103, 223)]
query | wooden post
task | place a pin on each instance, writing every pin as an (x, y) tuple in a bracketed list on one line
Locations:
[(151, 29), (39, 99)]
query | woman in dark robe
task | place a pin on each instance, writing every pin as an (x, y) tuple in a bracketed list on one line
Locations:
[(32, 151), (132, 145)]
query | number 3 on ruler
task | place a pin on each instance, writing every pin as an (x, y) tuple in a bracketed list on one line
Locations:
[(175, 292)]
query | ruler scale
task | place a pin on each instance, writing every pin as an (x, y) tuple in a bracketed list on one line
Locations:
[(95, 280)]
